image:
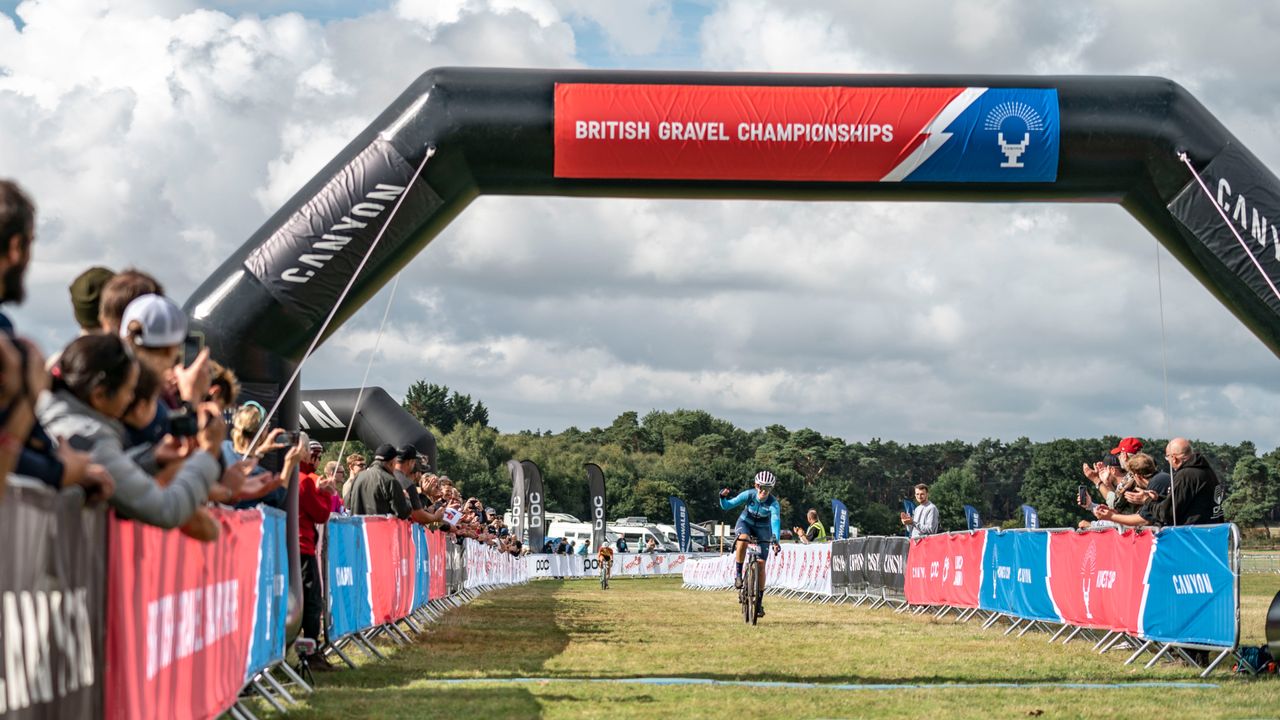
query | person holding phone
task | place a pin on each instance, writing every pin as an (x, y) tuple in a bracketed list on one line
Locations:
[(924, 519), (97, 378)]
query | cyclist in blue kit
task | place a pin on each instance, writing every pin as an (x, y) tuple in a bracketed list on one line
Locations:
[(761, 519)]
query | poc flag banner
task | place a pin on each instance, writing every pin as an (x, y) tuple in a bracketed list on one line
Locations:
[(840, 515), (972, 518), (51, 583), (519, 498), (1030, 518), (534, 514), (680, 515), (595, 484), (347, 569), (824, 134), (180, 617), (1191, 593)]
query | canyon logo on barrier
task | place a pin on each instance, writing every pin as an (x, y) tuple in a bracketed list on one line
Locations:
[(51, 609)]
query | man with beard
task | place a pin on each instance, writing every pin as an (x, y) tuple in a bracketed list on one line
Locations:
[(59, 466)]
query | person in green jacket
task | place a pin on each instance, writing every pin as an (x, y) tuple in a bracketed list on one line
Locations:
[(815, 532)]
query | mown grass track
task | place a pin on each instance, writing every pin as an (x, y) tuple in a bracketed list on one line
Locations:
[(569, 632)]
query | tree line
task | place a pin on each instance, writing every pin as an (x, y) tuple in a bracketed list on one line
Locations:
[(691, 454)]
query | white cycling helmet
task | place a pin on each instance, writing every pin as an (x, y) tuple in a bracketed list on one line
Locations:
[(764, 478)]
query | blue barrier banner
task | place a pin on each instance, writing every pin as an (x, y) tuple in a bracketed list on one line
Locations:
[(1191, 588), (972, 518), (267, 645), (350, 607), (1015, 575), (421, 568)]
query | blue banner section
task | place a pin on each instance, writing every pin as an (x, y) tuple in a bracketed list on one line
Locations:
[(1001, 135), (421, 568), (1191, 588), (1015, 575), (681, 515), (350, 608), (972, 518), (1030, 518), (267, 645), (840, 513)]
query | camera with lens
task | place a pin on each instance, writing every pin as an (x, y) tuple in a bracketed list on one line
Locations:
[(183, 422)]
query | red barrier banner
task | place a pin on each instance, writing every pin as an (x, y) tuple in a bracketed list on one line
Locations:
[(945, 569), (391, 558), (179, 617), (436, 550), (1096, 577)]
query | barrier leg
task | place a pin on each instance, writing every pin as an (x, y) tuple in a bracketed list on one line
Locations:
[(266, 695), (1029, 626), (1014, 626), (1059, 633), (995, 618), (1075, 632), (242, 712), (337, 650), (367, 646), (1163, 649), (1138, 653), (295, 678), (278, 688), (1221, 656)]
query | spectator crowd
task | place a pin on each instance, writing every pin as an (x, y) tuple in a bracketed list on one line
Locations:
[(130, 416)]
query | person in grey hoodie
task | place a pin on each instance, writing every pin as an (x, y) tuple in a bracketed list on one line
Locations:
[(92, 390)]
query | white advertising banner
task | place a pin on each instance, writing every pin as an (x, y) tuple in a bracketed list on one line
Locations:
[(487, 566), (806, 568), (624, 565)]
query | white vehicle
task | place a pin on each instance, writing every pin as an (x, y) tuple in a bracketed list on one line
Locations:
[(697, 537), (546, 518), (637, 537), (578, 532)]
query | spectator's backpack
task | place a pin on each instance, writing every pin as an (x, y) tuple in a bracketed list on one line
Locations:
[(1255, 660)]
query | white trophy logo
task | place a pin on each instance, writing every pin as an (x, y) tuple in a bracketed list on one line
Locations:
[(1030, 120)]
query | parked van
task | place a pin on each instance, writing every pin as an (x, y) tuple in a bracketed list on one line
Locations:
[(697, 537), (578, 533), (638, 536)]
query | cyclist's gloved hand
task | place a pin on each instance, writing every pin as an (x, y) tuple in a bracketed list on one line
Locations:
[(726, 492), (776, 547)]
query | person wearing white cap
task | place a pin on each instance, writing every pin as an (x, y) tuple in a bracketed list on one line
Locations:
[(155, 327)]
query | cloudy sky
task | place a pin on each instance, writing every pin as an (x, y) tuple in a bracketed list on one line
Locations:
[(163, 133)]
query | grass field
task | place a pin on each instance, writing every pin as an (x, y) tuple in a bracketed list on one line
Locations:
[(572, 637)]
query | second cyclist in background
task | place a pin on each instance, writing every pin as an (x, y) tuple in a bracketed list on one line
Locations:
[(761, 519), (605, 556)]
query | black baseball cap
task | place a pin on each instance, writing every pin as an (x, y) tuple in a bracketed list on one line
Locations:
[(408, 452), (385, 451)]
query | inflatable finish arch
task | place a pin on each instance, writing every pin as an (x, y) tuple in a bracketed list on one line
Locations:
[(745, 136), (326, 415)]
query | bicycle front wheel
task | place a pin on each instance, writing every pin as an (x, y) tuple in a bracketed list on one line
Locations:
[(753, 596)]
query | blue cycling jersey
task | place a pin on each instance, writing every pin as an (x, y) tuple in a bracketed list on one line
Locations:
[(757, 511)]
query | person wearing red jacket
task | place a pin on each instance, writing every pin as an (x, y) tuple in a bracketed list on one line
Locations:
[(314, 505)]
